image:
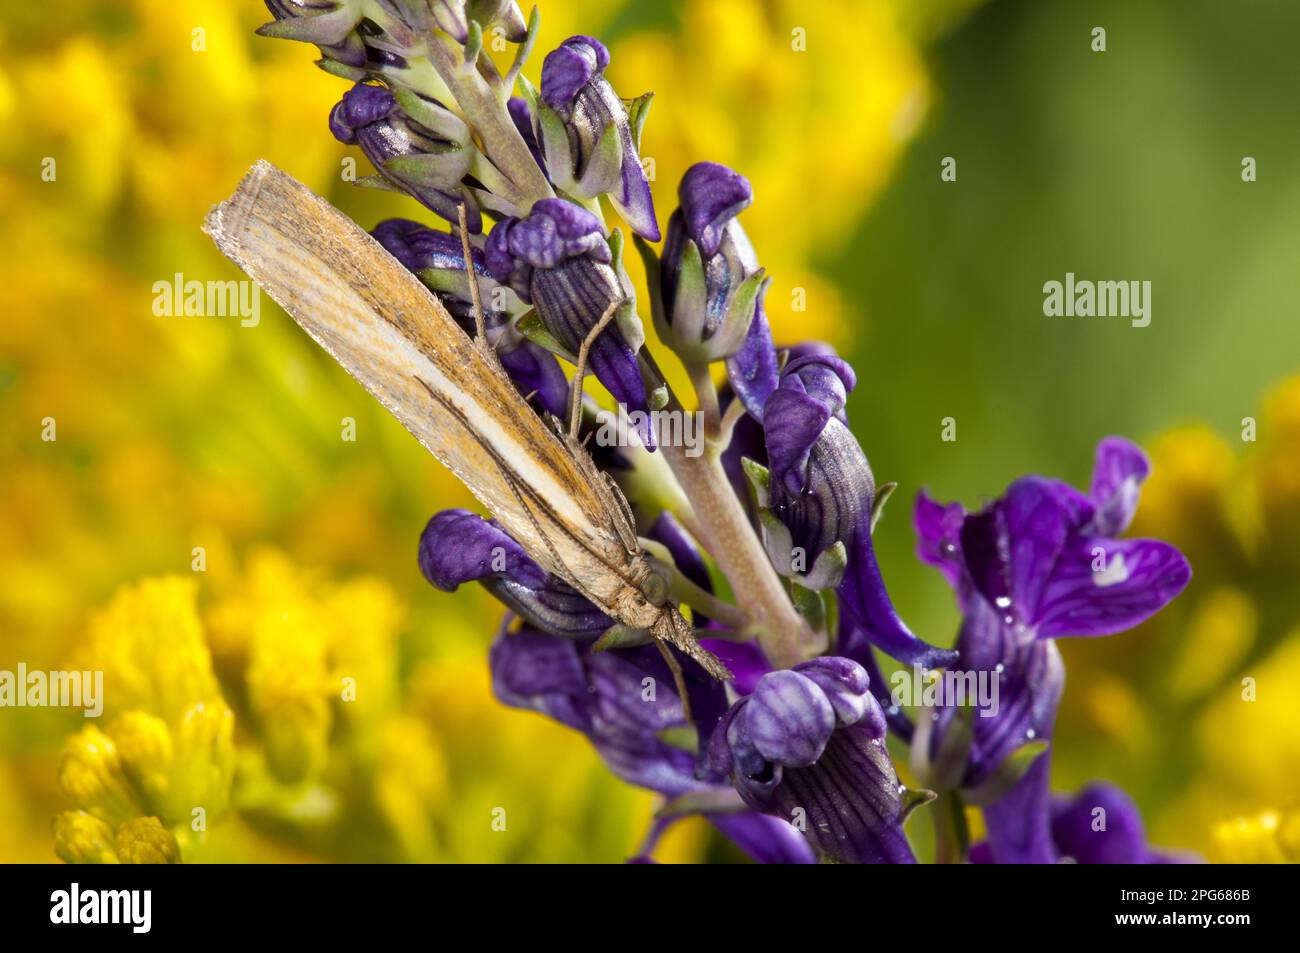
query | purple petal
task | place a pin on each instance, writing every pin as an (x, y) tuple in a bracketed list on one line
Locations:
[(569, 67), (851, 798), (458, 546), (541, 673), (938, 532), (522, 117), (754, 369), (711, 195), (1011, 547), (533, 369), (846, 686), (1101, 586), (766, 840), (863, 595), (792, 422), (824, 377), (1100, 825), (1019, 823), (788, 719), (1116, 481), (360, 106)]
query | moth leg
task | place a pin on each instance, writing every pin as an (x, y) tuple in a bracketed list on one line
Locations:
[(480, 321), (679, 679), (575, 397)]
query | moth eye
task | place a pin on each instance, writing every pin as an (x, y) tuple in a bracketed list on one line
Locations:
[(655, 589)]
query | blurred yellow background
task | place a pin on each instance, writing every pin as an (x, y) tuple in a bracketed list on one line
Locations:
[(179, 507)]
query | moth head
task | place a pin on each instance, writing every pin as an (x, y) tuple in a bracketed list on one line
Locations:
[(655, 588)]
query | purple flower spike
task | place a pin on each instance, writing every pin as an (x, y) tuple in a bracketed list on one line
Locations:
[(591, 144), (427, 165), (437, 259), (458, 546), (557, 259), (807, 746)]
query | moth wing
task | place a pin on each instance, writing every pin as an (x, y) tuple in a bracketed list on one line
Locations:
[(392, 335)]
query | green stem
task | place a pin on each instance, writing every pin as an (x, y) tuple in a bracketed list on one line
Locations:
[(951, 835)]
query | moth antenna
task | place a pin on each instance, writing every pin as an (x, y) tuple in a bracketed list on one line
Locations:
[(480, 322), (575, 397), (531, 394)]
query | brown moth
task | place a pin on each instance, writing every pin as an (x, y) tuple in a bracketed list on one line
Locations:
[(448, 389)]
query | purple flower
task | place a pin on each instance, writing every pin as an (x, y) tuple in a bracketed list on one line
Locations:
[(710, 287), (817, 503), (1041, 562), (427, 163), (438, 260), (624, 702), (591, 144), (458, 546), (1099, 825), (557, 259), (807, 745)]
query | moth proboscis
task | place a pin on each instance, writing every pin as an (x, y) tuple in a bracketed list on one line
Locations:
[(390, 333)]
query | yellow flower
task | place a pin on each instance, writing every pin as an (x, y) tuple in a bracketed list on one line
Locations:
[(92, 777), (144, 840), (1270, 837), (82, 838)]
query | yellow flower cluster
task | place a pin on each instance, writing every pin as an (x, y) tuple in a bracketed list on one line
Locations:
[(167, 756)]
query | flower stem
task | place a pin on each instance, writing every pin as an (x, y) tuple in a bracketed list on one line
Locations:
[(730, 538), (951, 837)]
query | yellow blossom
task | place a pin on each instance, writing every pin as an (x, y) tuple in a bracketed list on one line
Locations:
[(82, 838)]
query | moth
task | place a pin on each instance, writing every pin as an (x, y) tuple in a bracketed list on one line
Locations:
[(448, 389)]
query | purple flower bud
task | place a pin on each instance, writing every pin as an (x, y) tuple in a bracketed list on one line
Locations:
[(590, 143), (454, 16), (710, 285), (426, 164), (807, 745), (458, 546), (438, 260), (818, 505), (557, 259), (330, 24)]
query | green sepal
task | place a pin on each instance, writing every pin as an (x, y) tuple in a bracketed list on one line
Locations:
[(352, 74), (442, 122), (530, 326), (602, 172), (378, 182), (760, 482), (883, 493), (637, 111)]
